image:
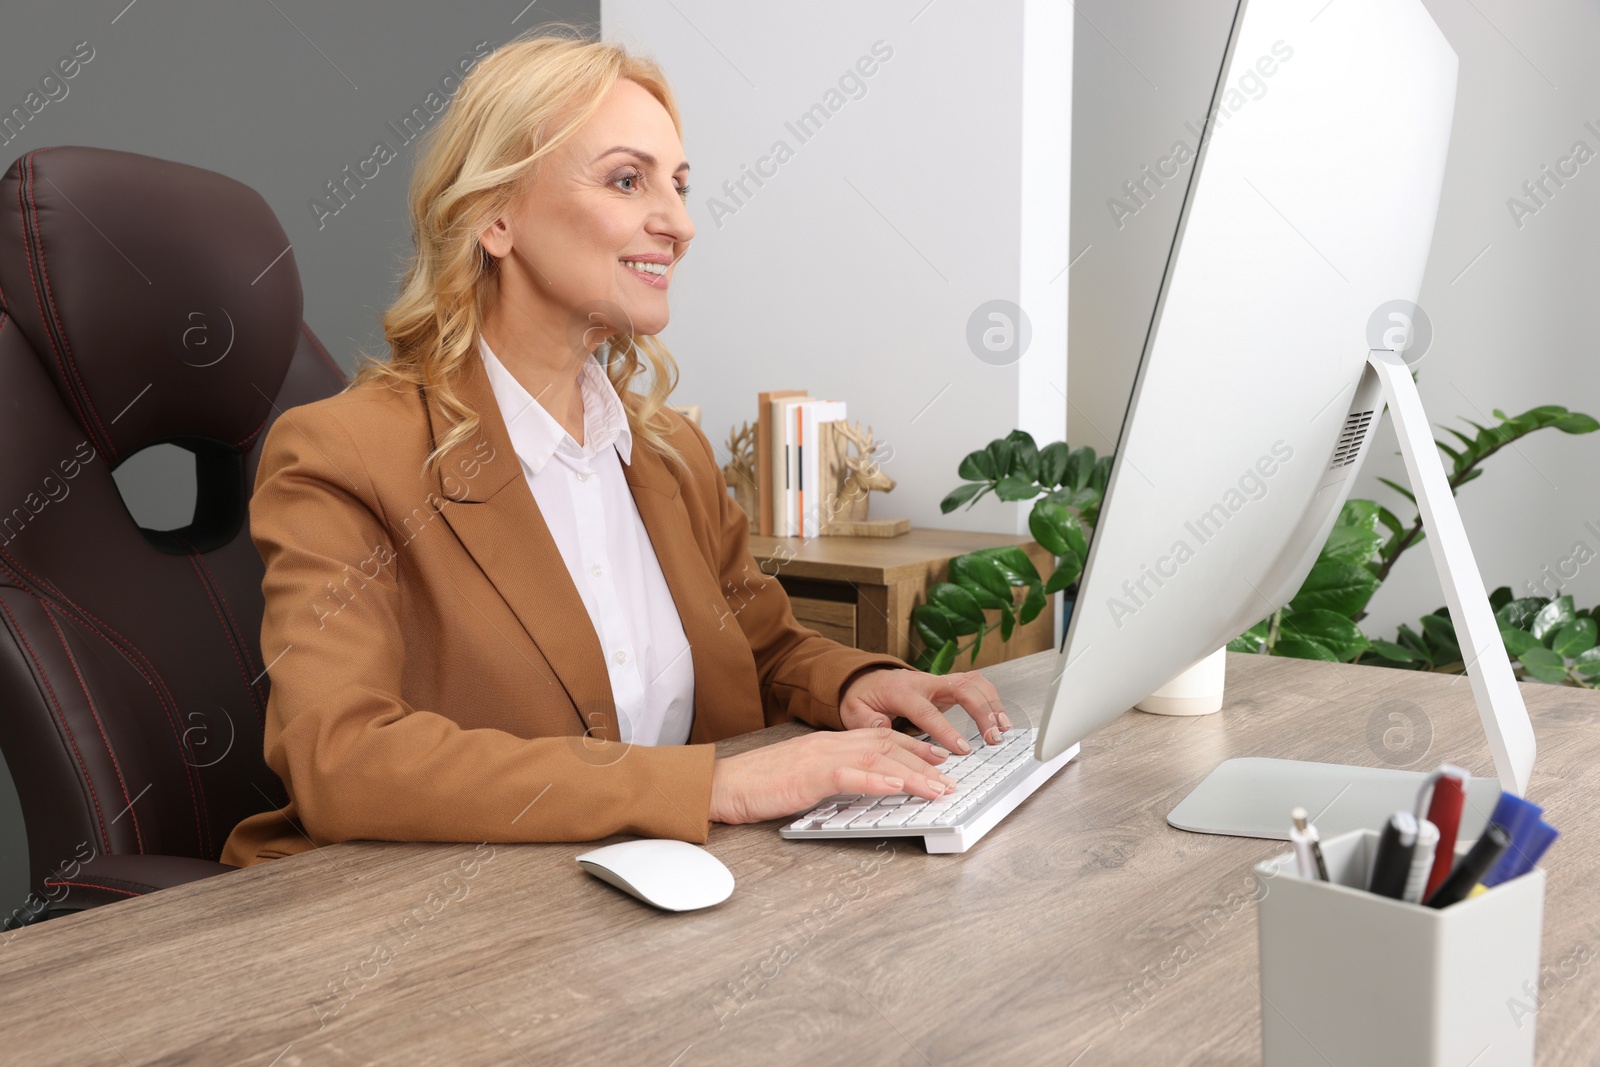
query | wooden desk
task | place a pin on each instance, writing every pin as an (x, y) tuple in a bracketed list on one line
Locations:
[(1027, 949), (860, 590)]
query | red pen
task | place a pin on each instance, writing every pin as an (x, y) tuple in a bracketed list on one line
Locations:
[(1449, 788)]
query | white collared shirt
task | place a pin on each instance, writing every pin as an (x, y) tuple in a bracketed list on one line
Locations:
[(590, 510)]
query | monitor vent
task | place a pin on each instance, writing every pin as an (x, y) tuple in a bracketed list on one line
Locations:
[(1355, 432)]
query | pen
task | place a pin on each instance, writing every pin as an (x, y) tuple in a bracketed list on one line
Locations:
[(1473, 866), (1307, 848), (1392, 865), (1448, 788), (1520, 818), (1421, 862), (1528, 852)]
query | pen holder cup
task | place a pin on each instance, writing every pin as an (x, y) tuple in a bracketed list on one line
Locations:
[(1352, 978)]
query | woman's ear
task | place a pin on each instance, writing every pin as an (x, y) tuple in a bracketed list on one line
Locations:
[(496, 239)]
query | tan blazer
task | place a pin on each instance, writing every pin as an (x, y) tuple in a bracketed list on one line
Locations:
[(435, 675)]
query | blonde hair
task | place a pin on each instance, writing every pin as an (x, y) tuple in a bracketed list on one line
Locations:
[(513, 109)]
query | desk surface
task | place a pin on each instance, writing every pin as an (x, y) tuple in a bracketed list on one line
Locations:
[(854, 952)]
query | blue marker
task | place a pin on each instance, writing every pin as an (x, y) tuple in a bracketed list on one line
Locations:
[(1520, 818)]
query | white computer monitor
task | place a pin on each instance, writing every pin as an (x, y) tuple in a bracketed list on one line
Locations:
[(1310, 206)]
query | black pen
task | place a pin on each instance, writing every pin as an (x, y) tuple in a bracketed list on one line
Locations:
[(1392, 865), (1473, 866)]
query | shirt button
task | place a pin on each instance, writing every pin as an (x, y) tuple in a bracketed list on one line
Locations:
[(620, 655), (583, 476), (597, 570)]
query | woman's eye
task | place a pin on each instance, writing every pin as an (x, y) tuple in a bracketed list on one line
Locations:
[(628, 178), (683, 193)]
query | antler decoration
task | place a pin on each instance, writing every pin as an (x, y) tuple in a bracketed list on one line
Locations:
[(865, 474), (740, 470)]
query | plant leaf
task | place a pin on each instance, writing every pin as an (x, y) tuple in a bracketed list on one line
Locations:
[(1335, 586), (1048, 523), (1335, 632), (958, 602), (933, 625), (1545, 665), (1518, 641), (1013, 563), (1519, 613), (1024, 454), (1016, 487), (1552, 617), (943, 660), (1253, 640), (1440, 632), (1066, 572), (1297, 647), (1033, 603), (1000, 451), (1576, 638), (958, 496), (1391, 651), (1588, 664), (977, 467), (1053, 463), (975, 569), (1352, 544)]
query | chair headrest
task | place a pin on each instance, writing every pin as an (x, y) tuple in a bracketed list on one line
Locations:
[(162, 299)]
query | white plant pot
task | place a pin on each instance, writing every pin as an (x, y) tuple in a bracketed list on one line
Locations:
[(1197, 691)]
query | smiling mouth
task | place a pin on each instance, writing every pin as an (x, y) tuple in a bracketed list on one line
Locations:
[(646, 268)]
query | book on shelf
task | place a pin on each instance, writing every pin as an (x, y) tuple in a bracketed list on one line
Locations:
[(818, 464), (782, 471), (764, 455)]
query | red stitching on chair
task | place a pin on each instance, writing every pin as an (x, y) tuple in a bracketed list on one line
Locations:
[(244, 672), (121, 782), (61, 717), (163, 691), (91, 885), (252, 435), (38, 299), (316, 346), (44, 273)]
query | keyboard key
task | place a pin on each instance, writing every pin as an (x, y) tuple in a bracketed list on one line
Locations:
[(841, 820), (892, 801), (897, 817)]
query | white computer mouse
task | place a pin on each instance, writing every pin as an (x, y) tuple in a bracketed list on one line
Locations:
[(672, 875)]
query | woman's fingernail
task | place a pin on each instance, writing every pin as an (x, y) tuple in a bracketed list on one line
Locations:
[(964, 747), (1005, 721), (895, 783), (940, 751), (947, 780)]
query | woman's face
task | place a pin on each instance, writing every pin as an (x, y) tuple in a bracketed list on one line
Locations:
[(577, 250)]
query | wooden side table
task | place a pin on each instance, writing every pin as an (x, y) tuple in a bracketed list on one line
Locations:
[(860, 590)]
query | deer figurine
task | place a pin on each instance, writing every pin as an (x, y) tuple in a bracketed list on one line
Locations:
[(847, 513), (740, 471)]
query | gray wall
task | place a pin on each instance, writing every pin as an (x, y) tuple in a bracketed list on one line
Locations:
[(281, 95), (1512, 330), (853, 271)]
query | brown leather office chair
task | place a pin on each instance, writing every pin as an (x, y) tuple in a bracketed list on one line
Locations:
[(141, 301)]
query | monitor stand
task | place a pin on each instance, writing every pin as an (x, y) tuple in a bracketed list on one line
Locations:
[(1253, 797)]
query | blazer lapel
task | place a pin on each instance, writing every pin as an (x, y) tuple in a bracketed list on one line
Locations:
[(499, 523)]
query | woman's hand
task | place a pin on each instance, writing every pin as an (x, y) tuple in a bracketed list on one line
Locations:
[(875, 697), (794, 775)]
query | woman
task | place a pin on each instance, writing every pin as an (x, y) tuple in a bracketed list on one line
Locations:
[(508, 596)]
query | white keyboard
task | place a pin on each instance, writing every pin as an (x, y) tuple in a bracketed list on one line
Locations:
[(991, 781)]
